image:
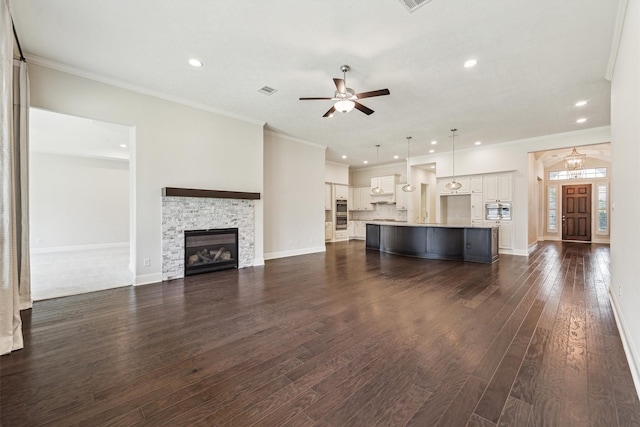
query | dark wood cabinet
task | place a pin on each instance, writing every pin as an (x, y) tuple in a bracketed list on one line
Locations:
[(477, 244), (481, 244)]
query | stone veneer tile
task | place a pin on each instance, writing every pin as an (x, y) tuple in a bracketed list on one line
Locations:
[(195, 213)]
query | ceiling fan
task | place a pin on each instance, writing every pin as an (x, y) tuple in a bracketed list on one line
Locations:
[(346, 99)]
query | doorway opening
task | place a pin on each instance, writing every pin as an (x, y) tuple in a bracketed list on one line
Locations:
[(79, 179)]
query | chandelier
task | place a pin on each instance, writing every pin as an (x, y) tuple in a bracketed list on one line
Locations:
[(574, 163)]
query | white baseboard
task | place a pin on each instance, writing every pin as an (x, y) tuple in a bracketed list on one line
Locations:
[(294, 252), (632, 358), (257, 262), (79, 248), (145, 279), (518, 252)]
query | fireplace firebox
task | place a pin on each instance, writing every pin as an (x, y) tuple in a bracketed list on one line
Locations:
[(210, 250)]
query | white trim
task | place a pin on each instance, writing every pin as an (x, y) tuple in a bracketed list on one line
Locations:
[(146, 279), (301, 141), (69, 69), (632, 357), (258, 262), (79, 248), (617, 35), (518, 252), (294, 252)]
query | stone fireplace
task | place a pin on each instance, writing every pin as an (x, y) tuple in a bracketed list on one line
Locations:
[(189, 210)]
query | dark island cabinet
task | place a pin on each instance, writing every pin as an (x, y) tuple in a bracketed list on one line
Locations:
[(477, 244), (481, 244)]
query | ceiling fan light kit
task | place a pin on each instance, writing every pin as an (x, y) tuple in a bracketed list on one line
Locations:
[(346, 99)]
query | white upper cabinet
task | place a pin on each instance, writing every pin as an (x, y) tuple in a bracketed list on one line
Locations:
[(475, 184), (505, 187), (387, 183), (498, 187), (361, 200), (365, 199), (342, 192)]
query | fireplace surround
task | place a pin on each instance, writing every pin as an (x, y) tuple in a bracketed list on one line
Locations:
[(188, 209)]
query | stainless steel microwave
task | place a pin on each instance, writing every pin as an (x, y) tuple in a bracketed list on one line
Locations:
[(497, 211)]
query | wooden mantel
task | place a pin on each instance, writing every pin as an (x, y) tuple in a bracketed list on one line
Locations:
[(211, 194)]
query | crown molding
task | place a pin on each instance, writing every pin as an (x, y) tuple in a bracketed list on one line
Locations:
[(617, 35), (69, 69), (294, 139)]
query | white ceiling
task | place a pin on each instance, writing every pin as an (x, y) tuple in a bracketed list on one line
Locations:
[(536, 58)]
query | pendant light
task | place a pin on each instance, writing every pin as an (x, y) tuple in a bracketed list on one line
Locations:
[(453, 185), (377, 189), (408, 188)]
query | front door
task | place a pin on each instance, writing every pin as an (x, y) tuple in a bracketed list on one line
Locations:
[(576, 212)]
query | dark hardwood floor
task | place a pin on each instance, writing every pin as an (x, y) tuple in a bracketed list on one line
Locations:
[(350, 337)]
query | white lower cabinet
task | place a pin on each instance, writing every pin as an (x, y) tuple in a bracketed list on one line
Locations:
[(505, 235), (341, 235), (328, 230)]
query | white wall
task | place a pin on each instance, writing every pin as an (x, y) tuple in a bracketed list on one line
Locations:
[(512, 156), (294, 174), (336, 173), (175, 146), (77, 201), (361, 177), (625, 181)]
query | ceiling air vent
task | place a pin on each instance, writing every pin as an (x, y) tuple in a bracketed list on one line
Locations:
[(267, 90), (413, 5)]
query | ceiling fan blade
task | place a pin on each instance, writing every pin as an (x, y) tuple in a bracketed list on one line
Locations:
[(307, 99), (373, 93), (368, 111), (340, 85), (330, 112)]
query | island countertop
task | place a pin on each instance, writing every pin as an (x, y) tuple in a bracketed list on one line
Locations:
[(428, 224), (434, 241)]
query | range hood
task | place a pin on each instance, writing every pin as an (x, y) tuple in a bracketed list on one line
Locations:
[(388, 198)]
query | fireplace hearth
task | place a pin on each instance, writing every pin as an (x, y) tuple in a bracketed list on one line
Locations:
[(210, 250)]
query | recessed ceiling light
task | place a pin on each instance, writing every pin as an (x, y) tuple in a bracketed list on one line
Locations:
[(195, 63), (470, 63), (432, 151), (344, 157), (365, 162), (478, 142), (123, 145), (433, 166), (396, 157), (581, 103), (582, 120), (434, 142)]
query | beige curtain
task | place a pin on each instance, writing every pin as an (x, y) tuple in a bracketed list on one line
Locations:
[(15, 288)]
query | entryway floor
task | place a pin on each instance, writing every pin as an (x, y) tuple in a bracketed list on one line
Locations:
[(58, 274)]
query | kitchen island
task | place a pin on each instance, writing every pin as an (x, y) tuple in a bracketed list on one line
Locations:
[(434, 241)]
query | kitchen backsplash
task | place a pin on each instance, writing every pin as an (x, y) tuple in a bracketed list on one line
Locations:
[(381, 211)]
